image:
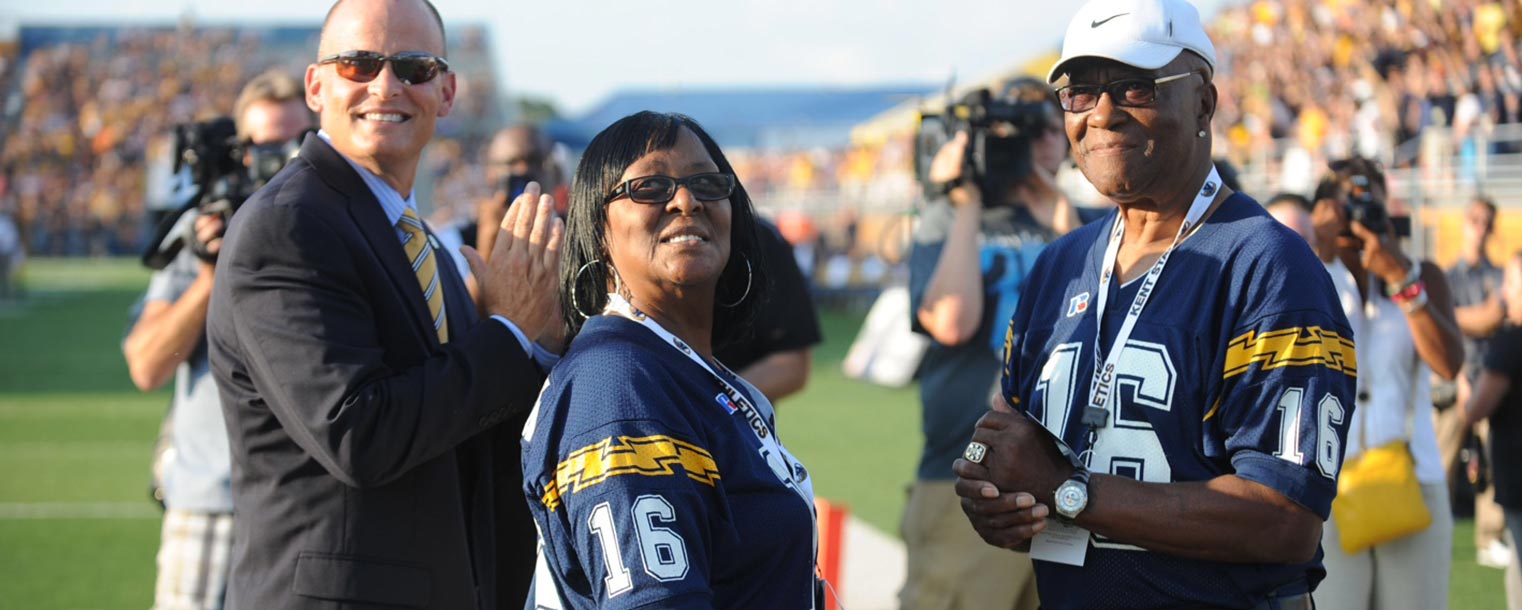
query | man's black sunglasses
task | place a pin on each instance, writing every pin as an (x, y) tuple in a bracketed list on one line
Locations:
[(660, 189), (412, 67)]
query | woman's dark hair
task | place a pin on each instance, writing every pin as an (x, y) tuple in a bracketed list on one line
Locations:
[(1333, 184), (585, 269)]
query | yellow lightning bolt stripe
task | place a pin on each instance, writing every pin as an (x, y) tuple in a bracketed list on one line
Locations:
[(1009, 342), (1299, 346), (651, 456)]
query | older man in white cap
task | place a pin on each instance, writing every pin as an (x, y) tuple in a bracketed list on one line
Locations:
[(1179, 376)]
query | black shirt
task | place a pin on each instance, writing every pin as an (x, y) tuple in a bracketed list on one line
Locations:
[(1505, 358), (787, 320)]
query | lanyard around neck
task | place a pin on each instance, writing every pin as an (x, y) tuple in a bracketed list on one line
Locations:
[(1103, 387), (731, 400)]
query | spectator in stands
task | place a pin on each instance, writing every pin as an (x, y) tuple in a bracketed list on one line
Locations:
[(1476, 283), (1498, 398), (972, 253), (1382, 74), (1401, 311), (169, 338)]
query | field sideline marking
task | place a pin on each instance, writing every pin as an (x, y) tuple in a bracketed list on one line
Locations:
[(10, 511)]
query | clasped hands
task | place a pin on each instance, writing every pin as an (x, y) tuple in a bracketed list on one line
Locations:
[(519, 277), (1008, 496)]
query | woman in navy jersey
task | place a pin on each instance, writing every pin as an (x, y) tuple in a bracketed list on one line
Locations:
[(654, 473)]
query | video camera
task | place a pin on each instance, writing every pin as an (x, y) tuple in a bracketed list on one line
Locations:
[(211, 157), (999, 148)]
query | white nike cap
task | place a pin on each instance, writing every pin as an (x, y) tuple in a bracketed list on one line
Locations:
[(1145, 34)]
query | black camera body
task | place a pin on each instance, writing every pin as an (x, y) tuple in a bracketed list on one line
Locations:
[(213, 157), (999, 147), (1363, 208)]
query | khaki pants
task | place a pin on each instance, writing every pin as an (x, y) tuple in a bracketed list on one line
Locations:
[(950, 567), (1406, 574)]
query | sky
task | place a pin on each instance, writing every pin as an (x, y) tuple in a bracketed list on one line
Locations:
[(577, 52)]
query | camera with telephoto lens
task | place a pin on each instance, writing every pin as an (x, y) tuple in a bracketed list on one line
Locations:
[(1000, 134), (212, 159)]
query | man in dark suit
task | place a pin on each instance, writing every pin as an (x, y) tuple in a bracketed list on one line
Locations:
[(355, 375)]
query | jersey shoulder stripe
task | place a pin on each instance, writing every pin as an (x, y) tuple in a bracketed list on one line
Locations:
[(1296, 346), (651, 456)]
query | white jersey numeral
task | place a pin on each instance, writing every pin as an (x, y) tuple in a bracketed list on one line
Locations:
[(661, 549), (618, 580), (1289, 426), (1329, 415)]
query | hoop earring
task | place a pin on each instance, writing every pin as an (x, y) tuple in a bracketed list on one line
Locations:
[(749, 277), (577, 282)]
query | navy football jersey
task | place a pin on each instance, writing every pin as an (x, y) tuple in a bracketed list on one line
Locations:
[(650, 489), (1241, 363)]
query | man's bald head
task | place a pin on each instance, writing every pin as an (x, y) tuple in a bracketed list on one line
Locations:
[(520, 150), (322, 44)]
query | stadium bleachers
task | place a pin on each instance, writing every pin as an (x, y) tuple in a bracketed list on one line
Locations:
[(88, 109)]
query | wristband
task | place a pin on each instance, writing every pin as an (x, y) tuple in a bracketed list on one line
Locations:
[(1413, 276), (1414, 297)]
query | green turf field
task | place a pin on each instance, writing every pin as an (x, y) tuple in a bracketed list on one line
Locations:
[(77, 530)]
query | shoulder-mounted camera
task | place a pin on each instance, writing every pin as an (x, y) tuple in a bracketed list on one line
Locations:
[(222, 172), (1000, 133)]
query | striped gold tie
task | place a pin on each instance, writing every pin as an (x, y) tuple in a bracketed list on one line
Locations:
[(415, 243)]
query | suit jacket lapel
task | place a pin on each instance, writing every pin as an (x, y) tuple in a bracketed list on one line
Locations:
[(371, 220)]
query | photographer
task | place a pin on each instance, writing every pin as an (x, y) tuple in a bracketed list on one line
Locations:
[(515, 156), (971, 253), (167, 338), (1401, 311)]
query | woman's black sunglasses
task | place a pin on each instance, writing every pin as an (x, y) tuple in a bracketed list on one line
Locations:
[(660, 189), (412, 67)]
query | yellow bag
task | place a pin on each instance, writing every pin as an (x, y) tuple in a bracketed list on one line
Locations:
[(1379, 498)]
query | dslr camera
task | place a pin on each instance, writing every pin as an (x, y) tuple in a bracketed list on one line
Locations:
[(999, 147), (1363, 208), (211, 157)]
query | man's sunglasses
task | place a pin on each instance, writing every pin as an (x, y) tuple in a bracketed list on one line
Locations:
[(412, 67), (660, 189), (1130, 92)]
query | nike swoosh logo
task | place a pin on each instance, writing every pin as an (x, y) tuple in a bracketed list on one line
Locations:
[(1095, 24)]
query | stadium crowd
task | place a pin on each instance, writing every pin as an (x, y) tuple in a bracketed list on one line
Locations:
[(91, 113), (87, 131), (87, 116), (1307, 81)]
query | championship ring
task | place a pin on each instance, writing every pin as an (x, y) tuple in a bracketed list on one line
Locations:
[(975, 452)]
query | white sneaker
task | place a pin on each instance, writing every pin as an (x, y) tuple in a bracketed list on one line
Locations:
[(1495, 555)]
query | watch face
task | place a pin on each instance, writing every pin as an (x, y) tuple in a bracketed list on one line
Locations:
[(1071, 498)]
